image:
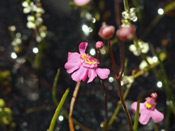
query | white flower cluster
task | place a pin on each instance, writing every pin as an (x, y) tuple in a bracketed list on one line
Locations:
[(142, 47), (130, 15), (16, 37), (31, 7), (127, 80), (151, 61), (35, 20)]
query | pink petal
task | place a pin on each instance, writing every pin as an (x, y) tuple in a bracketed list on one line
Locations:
[(71, 67), (157, 116), (82, 47), (145, 116), (91, 74), (80, 74), (73, 56), (134, 107), (103, 73), (81, 2)]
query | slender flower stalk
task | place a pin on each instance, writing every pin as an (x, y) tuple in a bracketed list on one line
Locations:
[(54, 97), (55, 117), (126, 6), (112, 59), (105, 127), (119, 82), (122, 57), (71, 125)]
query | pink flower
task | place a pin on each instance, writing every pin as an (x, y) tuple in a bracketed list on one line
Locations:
[(106, 31), (99, 45), (126, 33), (81, 2), (83, 65), (147, 110)]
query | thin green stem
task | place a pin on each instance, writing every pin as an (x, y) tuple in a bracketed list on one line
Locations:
[(155, 127), (137, 115), (54, 89), (55, 117), (126, 6), (114, 116), (106, 108)]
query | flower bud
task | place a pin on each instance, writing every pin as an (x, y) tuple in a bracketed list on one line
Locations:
[(81, 2), (106, 31), (99, 45), (126, 33)]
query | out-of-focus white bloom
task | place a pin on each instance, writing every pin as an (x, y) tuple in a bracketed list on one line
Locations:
[(43, 34), (38, 38), (127, 80), (31, 25), (143, 47), (39, 10), (26, 10), (12, 28), (25, 4), (144, 64), (30, 18), (39, 21)]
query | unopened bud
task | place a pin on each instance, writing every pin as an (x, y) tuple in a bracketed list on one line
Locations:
[(106, 31), (99, 45), (126, 33)]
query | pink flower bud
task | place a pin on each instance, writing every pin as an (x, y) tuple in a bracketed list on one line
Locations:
[(99, 45), (126, 33), (106, 31), (81, 2)]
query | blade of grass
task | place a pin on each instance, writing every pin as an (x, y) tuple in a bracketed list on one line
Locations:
[(55, 117), (54, 96), (137, 115)]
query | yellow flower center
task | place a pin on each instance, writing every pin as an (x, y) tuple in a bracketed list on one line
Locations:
[(148, 105), (89, 59)]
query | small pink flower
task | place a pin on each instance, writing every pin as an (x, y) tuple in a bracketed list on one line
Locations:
[(126, 33), (83, 65), (81, 2), (106, 31), (99, 45), (147, 110)]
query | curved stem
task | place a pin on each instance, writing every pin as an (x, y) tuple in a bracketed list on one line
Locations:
[(112, 59), (71, 125), (124, 104), (122, 57)]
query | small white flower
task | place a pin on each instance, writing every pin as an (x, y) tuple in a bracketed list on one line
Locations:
[(127, 80), (31, 25), (39, 21), (125, 15), (25, 4), (12, 28), (38, 39), (18, 41), (30, 18), (26, 10), (131, 15), (143, 47), (43, 34), (144, 64), (39, 10)]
